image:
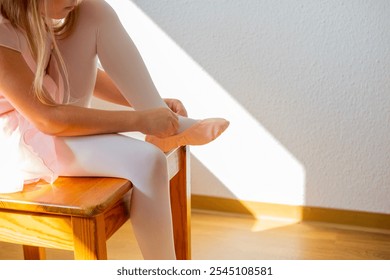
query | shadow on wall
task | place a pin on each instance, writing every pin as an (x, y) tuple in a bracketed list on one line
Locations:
[(304, 84), (209, 181)]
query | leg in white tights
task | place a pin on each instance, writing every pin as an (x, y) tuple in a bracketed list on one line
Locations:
[(117, 155), (140, 162), (122, 61), (99, 32)]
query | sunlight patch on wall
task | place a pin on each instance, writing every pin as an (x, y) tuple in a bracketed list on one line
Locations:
[(247, 160)]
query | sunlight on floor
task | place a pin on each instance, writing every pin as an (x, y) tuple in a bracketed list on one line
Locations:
[(224, 237), (266, 223)]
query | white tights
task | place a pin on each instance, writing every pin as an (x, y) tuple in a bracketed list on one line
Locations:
[(99, 32), (142, 163)]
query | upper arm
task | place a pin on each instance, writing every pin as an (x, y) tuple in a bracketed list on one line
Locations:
[(16, 77), (16, 80)]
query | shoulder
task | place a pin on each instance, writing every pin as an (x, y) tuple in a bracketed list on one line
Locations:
[(9, 36), (96, 9)]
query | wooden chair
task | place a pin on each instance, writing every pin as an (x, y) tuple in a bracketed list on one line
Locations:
[(80, 214)]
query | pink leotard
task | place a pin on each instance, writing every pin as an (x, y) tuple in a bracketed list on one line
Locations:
[(26, 154), (98, 33)]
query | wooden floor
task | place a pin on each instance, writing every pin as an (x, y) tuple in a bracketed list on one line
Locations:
[(217, 236)]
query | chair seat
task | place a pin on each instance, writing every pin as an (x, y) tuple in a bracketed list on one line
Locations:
[(77, 196), (80, 213)]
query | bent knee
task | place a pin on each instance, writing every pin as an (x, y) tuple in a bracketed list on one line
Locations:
[(154, 157)]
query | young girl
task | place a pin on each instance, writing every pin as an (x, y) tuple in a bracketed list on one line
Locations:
[(48, 75)]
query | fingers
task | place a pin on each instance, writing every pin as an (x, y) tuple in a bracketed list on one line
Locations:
[(166, 122), (174, 122), (179, 108), (182, 112), (176, 106), (161, 122)]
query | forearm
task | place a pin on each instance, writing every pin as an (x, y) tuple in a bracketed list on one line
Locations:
[(66, 120), (62, 120)]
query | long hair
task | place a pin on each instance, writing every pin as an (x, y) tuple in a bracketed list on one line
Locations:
[(26, 15)]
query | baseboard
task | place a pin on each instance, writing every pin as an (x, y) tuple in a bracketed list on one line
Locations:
[(300, 213)]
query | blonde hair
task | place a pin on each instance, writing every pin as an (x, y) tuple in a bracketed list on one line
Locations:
[(26, 15)]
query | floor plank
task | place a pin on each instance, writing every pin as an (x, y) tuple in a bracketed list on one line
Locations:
[(218, 236)]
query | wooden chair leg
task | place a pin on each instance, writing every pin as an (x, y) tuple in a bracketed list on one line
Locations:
[(34, 253), (89, 238), (181, 207)]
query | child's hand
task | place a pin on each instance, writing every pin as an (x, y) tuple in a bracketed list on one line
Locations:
[(160, 122), (176, 106)]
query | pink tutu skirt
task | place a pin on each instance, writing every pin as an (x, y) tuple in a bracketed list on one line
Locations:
[(26, 154)]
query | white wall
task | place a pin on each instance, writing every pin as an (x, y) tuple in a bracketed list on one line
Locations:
[(306, 85)]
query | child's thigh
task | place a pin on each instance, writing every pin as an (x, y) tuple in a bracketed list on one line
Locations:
[(111, 155)]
